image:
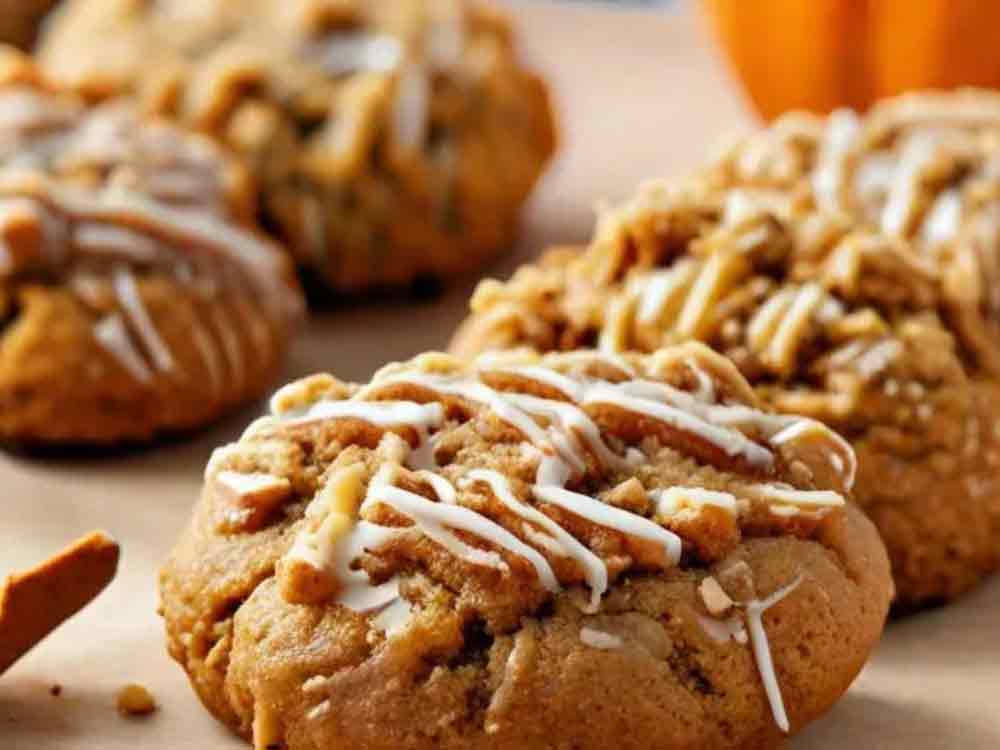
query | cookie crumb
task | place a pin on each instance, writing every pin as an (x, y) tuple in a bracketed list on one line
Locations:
[(56, 690), (135, 700)]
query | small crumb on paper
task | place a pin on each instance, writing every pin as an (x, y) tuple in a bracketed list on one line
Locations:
[(135, 700)]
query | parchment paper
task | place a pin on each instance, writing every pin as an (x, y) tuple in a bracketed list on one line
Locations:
[(641, 94)]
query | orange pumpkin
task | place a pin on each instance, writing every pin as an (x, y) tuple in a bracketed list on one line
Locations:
[(824, 54)]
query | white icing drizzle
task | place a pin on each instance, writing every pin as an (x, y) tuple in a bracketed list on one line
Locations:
[(785, 494), (564, 384), (111, 333), (723, 631), (943, 218), (444, 489), (185, 230), (731, 442), (706, 386), (231, 346), (755, 610), (394, 618), (209, 353), (128, 295), (435, 520), (574, 422), (600, 640), (378, 413), (663, 289), (828, 179), (594, 570), (356, 590), (767, 317), (411, 108), (609, 516), (806, 303), (844, 463), (340, 54), (97, 237), (247, 484), (671, 501), (877, 358), (917, 154)]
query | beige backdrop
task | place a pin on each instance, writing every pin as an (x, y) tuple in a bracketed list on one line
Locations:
[(640, 94)]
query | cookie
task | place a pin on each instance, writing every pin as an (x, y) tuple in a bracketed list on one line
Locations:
[(37, 601), (392, 140), (20, 20), (135, 299), (578, 550), (826, 319)]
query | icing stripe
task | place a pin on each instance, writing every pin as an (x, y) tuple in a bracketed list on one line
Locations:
[(611, 517), (594, 570), (434, 518)]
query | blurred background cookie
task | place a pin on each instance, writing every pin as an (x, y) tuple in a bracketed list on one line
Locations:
[(825, 318), (412, 561), (135, 297), (392, 140)]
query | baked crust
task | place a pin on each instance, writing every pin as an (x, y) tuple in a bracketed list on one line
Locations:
[(392, 140), (341, 612), (135, 296)]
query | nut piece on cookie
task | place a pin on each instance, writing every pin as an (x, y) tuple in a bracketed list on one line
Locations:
[(490, 523), (847, 266), (393, 141), (717, 601), (249, 499), (37, 601), (137, 298)]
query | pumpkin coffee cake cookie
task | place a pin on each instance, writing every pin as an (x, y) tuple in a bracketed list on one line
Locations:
[(133, 301), (578, 550), (841, 324), (393, 139)]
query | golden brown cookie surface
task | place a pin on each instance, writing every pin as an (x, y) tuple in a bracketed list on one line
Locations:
[(392, 140), (133, 299), (875, 334), (575, 550), (37, 601)]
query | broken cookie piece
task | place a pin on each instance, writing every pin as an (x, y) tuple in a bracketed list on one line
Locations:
[(37, 601)]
